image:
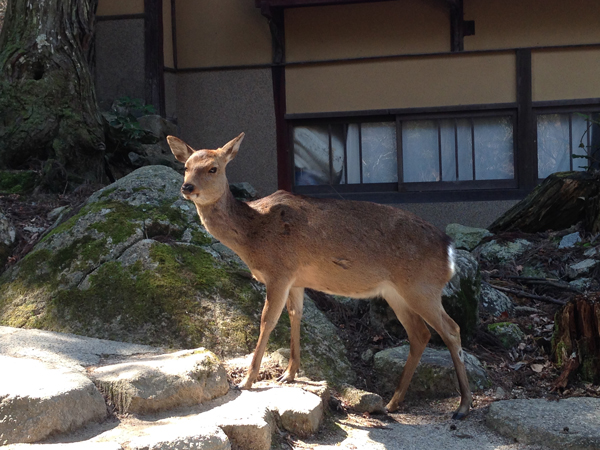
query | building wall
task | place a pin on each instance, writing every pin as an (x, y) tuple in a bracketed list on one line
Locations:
[(407, 82), (565, 73), (213, 107), (344, 58), (531, 23), (215, 33), (120, 60), (366, 29)]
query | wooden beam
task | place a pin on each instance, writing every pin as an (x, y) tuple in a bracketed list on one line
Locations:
[(526, 127)]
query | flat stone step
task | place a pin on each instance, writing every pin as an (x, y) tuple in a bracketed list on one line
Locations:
[(569, 424)]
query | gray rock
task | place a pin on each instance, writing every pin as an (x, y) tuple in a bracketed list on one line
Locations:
[(466, 238), (461, 295), (243, 190), (367, 355), (157, 125), (572, 423), (181, 438), (39, 400), (581, 268), (435, 375), (495, 302), (162, 382), (7, 231), (362, 401), (569, 240), (7, 239), (502, 252), (509, 333), (84, 445), (593, 251), (296, 410), (581, 284), (56, 212), (66, 350)]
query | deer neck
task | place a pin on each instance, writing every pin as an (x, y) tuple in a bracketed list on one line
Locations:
[(228, 220)]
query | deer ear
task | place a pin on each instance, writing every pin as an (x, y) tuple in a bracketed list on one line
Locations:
[(180, 149), (230, 149)]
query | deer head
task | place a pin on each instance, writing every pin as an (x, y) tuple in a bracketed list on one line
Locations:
[(205, 181)]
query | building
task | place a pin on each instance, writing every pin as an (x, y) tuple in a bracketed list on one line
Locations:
[(454, 108)]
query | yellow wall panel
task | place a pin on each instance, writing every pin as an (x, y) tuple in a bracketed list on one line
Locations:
[(367, 29), (532, 23), (402, 83), (119, 7), (212, 33), (565, 74)]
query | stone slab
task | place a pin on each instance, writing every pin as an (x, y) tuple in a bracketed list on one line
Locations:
[(569, 424), (38, 400)]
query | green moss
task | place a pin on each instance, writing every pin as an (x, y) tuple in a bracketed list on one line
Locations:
[(17, 181), (464, 307)]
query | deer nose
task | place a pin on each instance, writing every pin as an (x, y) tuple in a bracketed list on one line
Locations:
[(187, 188)]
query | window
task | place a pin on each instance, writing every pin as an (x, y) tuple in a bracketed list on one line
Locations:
[(562, 135), (406, 151)]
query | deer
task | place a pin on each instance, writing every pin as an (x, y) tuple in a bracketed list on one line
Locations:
[(342, 247)]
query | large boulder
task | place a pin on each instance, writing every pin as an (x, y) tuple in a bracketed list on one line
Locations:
[(7, 238), (461, 295), (162, 382), (38, 400), (466, 238), (135, 265), (435, 375)]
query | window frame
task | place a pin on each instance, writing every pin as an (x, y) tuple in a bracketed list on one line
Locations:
[(560, 108), (412, 191)]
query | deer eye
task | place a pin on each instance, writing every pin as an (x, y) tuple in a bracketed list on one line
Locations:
[(212, 170)]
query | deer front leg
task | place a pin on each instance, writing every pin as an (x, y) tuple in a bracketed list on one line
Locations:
[(274, 303), (294, 306)]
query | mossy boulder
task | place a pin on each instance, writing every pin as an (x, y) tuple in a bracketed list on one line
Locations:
[(461, 295), (509, 333), (7, 238), (466, 238), (135, 265)]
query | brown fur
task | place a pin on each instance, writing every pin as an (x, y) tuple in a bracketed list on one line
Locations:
[(354, 249)]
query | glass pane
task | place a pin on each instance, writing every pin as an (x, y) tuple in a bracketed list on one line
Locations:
[(553, 143), (352, 152), (420, 151), (448, 144), (465, 149), (311, 155), (494, 148), (337, 148), (379, 156), (579, 137)]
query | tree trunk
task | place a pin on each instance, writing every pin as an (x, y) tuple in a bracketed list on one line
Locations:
[(48, 109), (576, 340), (562, 200)]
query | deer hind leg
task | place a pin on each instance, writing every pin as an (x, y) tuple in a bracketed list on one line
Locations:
[(276, 295), (418, 336), (295, 303), (447, 328)]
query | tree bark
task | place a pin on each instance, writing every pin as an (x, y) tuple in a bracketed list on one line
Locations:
[(48, 109), (562, 200), (576, 340)]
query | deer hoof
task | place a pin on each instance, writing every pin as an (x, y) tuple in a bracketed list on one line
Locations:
[(459, 415), (245, 384), (286, 378)]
